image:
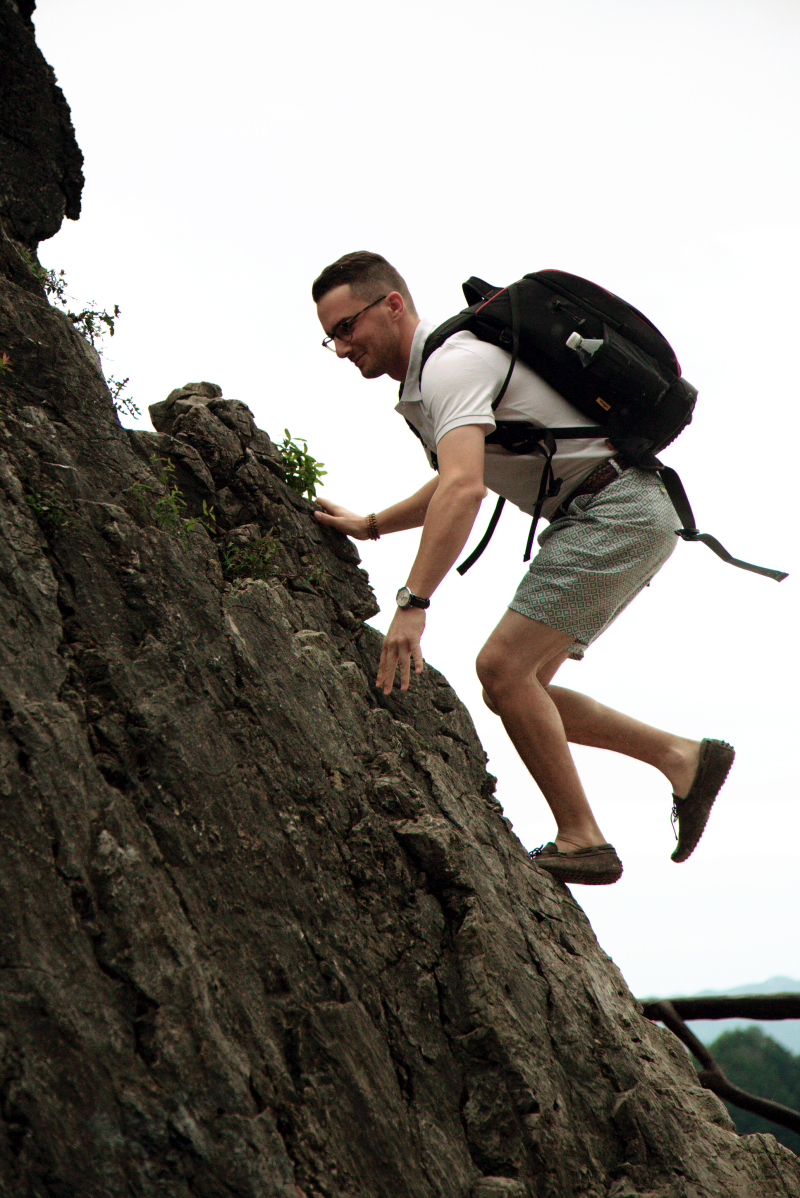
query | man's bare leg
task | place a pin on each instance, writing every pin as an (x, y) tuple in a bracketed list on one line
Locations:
[(516, 667), (511, 665), (587, 722)]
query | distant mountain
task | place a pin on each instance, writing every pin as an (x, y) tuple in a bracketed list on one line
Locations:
[(784, 1031)]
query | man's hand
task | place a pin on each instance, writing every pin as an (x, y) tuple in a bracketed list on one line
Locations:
[(401, 646), (341, 519)]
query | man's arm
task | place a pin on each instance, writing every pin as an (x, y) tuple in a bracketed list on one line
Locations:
[(408, 513), (450, 514)]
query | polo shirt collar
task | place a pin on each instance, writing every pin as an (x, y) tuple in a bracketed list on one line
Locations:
[(409, 388)]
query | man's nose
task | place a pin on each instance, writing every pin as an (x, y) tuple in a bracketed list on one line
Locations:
[(342, 348)]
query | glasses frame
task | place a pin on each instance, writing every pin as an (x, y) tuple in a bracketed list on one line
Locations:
[(343, 330)]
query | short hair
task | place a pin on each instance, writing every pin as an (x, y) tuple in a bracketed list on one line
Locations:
[(366, 274)]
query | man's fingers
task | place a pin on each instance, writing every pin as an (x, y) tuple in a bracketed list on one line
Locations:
[(389, 666), (386, 669), (379, 677), (388, 678), (340, 518), (401, 665), (400, 650)]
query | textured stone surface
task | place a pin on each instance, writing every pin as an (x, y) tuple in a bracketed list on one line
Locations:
[(266, 931), (40, 163)]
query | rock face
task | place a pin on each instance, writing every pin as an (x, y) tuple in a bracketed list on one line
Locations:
[(40, 162), (266, 932)]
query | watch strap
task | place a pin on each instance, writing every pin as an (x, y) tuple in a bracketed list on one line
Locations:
[(412, 599)]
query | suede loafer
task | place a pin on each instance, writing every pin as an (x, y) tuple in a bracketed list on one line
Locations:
[(595, 866), (691, 814)]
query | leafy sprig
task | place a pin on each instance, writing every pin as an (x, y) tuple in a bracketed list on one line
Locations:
[(92, 322), (302, 471)]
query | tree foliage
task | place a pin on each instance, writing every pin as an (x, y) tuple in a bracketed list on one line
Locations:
[(758, 1064)]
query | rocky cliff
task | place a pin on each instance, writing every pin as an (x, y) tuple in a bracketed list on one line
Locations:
[(266, 931), (40, 163)]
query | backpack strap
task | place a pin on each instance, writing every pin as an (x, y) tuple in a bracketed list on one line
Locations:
[(549, 486), (520, 437), (690, 532), (514, 301), (485, 539)]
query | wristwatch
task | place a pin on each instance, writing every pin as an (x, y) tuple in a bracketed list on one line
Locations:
[(406, 599)]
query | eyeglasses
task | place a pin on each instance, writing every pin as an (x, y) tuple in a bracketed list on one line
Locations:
[(344, 329)]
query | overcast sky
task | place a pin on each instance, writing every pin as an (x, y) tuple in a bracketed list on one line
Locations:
[(233, 150)]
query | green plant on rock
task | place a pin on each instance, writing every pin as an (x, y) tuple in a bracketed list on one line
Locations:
[(50, 513), (254, 559), (123, 403), (53, 282), (302, 471), (5, 363), (315, 572), (207, 520), (163, 504), (92, 322)]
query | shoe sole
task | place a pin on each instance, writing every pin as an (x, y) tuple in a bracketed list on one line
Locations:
[(564, 868), (587, 879), (712, 770)]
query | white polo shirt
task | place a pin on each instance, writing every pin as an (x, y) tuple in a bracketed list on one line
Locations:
[(459, 382)]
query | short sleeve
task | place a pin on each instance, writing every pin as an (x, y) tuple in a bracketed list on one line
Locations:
[(457, 387)]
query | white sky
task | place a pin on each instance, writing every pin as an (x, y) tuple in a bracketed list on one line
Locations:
[(233, 150)]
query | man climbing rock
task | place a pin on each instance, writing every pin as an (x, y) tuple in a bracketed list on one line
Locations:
[(611, 528)]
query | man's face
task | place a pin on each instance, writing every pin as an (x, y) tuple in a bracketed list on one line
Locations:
[(372, 341)]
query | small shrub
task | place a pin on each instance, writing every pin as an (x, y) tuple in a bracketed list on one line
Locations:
[(207, 520), (123, 403), (90, 321), (93, 324), (302, 471), (251, 560), (54, 283), (50, 513), (315, 572), (162, 503)]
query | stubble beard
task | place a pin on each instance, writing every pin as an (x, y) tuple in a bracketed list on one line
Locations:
[(375, 364), (379, 355), (373, 371)]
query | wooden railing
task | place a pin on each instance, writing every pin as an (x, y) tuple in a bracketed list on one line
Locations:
[(673, 1011)]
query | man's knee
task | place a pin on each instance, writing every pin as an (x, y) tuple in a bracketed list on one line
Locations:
[(491, 667)]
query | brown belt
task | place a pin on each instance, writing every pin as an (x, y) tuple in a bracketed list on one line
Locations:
[(600, 477)]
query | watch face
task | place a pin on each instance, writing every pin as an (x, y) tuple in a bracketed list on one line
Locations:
[(404, 598)]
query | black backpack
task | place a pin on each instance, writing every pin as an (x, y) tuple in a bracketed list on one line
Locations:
[(607, 359)]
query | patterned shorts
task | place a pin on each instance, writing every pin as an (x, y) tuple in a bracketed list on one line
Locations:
[(597, 557)]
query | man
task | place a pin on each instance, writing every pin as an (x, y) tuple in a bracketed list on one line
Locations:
[(611, 528)]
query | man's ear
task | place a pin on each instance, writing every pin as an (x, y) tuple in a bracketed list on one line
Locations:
[(397, 306)]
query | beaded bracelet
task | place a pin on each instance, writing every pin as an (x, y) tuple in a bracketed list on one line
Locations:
[(372, 527)]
